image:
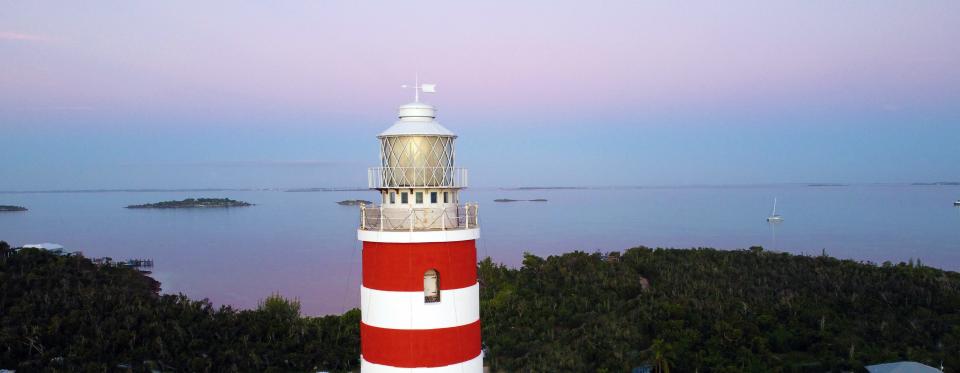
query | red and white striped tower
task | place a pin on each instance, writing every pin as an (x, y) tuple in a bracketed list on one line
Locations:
[(419, 301)]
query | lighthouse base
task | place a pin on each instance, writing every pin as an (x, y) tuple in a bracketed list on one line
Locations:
[(474, 365)]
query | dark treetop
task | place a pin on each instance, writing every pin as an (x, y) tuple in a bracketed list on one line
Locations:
[(192, 203)]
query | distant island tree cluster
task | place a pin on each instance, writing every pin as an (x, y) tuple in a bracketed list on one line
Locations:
[(9, 208), (193, 203), (670, 310), (354, 202)]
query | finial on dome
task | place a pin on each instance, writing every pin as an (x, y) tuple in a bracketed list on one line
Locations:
[(417, 88)]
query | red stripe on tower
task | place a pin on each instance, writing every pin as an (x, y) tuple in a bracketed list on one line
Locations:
[(400, 266), (420, 348)]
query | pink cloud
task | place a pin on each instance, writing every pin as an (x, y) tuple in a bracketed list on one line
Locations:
[(19, 36)]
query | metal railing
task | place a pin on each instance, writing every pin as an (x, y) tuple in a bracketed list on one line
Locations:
[(417, 177), (379, 218)]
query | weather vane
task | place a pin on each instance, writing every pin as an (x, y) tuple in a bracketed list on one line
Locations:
[(417, 88)]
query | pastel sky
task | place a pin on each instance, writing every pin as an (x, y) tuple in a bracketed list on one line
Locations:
[(188, 94)]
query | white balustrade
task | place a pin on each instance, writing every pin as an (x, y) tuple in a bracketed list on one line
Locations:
[(379, 218)]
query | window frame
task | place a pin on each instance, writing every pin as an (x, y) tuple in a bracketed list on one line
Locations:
[(427, 297)]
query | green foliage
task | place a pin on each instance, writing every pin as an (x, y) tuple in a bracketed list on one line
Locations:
[(715, 311), (65, 313), (279, 307)]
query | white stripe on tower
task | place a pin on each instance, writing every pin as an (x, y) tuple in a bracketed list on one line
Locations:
[(407, 310), (419, 236), (472, 365)]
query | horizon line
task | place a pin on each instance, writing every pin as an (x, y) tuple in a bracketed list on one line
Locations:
[(506, 188)]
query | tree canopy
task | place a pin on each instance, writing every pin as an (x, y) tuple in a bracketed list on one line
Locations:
[(64, 312), (673, 310), (711, 310)]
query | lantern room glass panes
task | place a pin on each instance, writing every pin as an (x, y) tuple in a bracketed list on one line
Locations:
[(417, 160)]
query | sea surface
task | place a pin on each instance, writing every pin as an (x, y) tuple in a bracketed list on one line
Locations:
[(303, 244)]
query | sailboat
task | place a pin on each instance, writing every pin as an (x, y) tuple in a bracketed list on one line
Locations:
[(956, 203), (774, 218)]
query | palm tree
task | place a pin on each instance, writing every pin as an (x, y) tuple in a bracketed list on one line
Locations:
[(659, 353)]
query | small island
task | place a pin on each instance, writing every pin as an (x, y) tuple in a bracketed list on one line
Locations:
[(354, 202), (7, 208), (192, 203), (520, 200)]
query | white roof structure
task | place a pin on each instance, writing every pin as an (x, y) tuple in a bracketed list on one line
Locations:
[(417, 118), (44, 246), (902, 367)]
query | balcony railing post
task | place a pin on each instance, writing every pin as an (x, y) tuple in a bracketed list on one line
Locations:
[(443, 219), (411, 219), (466, 215), (363, 217), (381, 218)]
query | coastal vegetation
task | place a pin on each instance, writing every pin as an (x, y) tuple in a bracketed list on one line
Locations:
[(674, 310), (9, 208), (192, 203), (64, 313), (720, 311)]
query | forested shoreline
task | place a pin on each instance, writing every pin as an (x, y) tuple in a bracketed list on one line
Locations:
[(714, 310), (683, 310), (64, 312)]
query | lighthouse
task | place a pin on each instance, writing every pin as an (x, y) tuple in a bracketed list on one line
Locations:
[(419, 297)]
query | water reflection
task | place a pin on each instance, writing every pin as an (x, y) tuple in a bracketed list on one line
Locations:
[(304, 244)]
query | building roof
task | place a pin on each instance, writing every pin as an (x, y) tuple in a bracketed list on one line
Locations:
[(45, 246), (902, 367), (402, 128), (417, 118)]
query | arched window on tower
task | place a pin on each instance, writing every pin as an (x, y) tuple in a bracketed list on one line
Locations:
[(431, 286)]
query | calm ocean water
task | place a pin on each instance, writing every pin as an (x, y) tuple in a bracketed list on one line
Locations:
[(304, 244)]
